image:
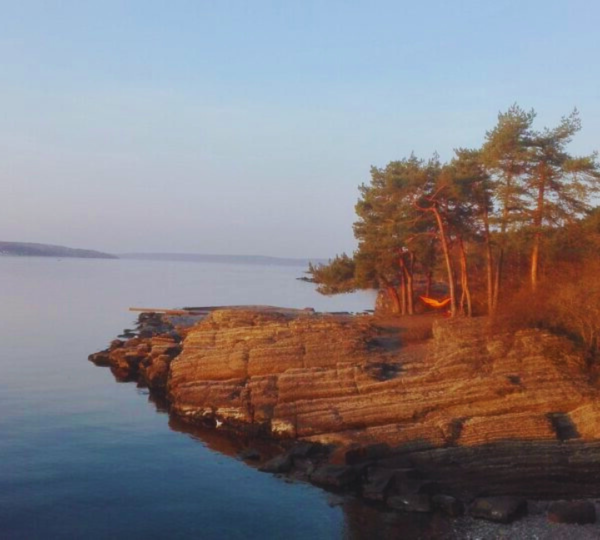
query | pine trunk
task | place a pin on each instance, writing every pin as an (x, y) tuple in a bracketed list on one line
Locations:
[(497, 278), (537, 224), (464, 278), (402, 295), (447, 260), (410, 293), (489, 261), (395, 299), (503, 228)]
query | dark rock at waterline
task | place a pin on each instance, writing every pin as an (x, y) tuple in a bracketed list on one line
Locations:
[(249, 454), (337, 476), (378, 483), (528, 423), (451, 506), (306, 449), (361, 454), (501, 509), (304, 467), (580, 512), (101, 358), (413, 502), (278, 465)]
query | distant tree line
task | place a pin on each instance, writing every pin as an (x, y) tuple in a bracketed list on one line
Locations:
[(493, 221)]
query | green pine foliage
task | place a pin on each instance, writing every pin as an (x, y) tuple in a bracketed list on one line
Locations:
[(481, 229)]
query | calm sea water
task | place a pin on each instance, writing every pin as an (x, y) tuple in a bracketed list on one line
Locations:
[(84, 457)]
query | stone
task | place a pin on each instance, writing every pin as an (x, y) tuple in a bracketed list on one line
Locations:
[(416, 502), (580, 512), (249, 454), (277, 465), (101, 358), (306, 449), (501, 509), (370, 452), (451, 506), (116, 344), (476, 413), (377, 483), (338, 476)]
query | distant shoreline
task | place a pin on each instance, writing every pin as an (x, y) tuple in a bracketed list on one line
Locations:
[(28, 249), (212, 258)]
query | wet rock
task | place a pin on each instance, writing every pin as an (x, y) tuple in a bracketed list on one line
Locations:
[(305, 467), (408, 480), (362, 454), (101, 358), (580, 512), (500, 509), (377, 483), (249, 454), (451, 506), (307, 449), (338, 476), (416, 502), (278, 465)]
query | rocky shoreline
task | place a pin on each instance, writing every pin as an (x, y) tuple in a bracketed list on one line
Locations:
[(465, 424)]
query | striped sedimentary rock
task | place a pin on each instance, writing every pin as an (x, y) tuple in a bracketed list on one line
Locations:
[(324, 377)]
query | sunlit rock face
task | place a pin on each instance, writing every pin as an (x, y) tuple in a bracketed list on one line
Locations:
[(328, 378), (479, 412), (259, 367)]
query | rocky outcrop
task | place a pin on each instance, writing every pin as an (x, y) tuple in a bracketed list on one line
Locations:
[(272, 368), (468, 414), (326, 378), (147, 355), (466, 397)]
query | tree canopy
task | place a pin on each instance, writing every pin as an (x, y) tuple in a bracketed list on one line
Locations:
[(476, 229)]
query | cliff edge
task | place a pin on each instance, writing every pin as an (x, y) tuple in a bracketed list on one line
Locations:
[(475, 412)]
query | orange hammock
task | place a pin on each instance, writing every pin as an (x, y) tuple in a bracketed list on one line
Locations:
[(435, 303)]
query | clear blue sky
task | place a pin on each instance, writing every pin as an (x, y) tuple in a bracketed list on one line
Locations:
[(246, 126)]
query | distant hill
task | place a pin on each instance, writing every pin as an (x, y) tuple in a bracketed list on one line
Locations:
[(228, 259), (26, 249)]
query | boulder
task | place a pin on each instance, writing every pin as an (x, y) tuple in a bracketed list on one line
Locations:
[(101, 358), (502, 509), (580, 512), (277, 465), (416, 502), (249, 454), (377, 483), (338, 476), (451, 506)]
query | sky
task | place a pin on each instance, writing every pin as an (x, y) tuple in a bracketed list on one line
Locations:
[(246, 127)]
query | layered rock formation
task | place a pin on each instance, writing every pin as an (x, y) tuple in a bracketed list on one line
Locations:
[(472, 412)]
